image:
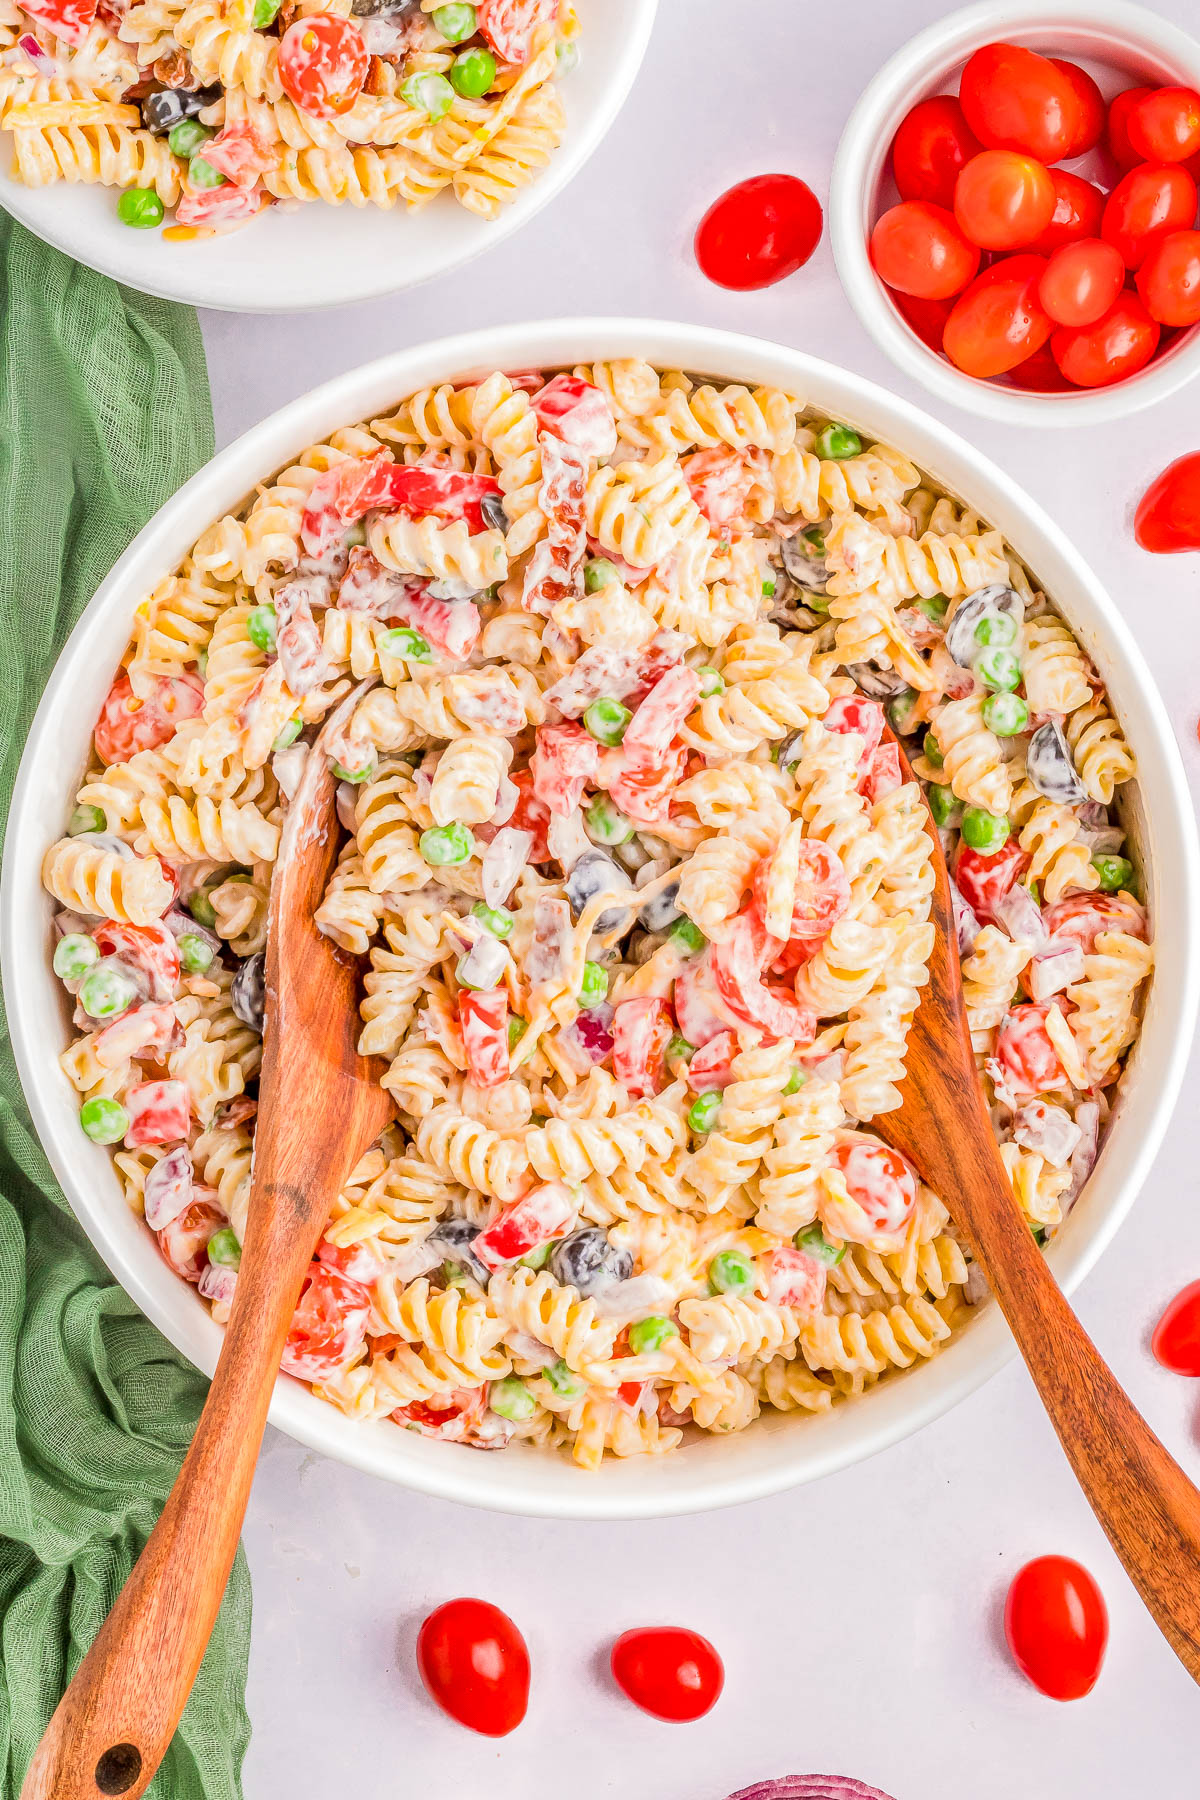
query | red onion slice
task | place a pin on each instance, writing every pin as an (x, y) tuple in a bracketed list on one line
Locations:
[(40, 58), (810, 1787)]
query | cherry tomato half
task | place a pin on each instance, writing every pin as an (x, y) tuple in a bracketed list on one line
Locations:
[(919, 249), (1116, 134), (1164, 126), (759, 231), (670, 1673), (931, 146), (1168, 515), (926, 317), (1118, 345), (1176, 1340), (322, 64), (1081, 282), (1153, 197), (1015, 99), (475, 1664), (1089, 102), (1003, 200), (1078, 210), (1169, 279), (1056, 1624), (1000, 320)]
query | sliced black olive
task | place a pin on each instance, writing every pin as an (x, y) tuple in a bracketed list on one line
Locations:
[(804, 563), (587, 1261), (166, 107), (595, 873), (661, 912), (492, 508), (1051, 767), (791, 749), (877, 683), (248, 995), (961, 641)]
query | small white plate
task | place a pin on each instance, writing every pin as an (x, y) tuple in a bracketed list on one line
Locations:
[(312, 255)]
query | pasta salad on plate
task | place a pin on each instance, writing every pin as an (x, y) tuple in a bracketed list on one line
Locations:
[(640, 889)]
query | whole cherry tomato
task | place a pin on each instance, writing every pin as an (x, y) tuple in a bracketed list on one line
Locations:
[(1169, 279), (931, 146), (322, 64), (1089, 101), (1015, 99), (1039, 374), (926, 317), (1116, 134), (1118, 345), (475, 1664), (1000, 320), (919, 249), (1164, 126), (671, 1673), (1176, 1340), (1081, 282), (759, 231), (1154, 197), (1168, 516), (1056, 1624), (1003, 200), (1078, 210)]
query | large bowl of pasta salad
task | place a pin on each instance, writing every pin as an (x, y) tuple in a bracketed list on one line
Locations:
[(274, 157), (640, 894)]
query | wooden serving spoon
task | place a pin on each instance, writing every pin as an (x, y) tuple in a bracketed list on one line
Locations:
[(320, 1107), (1146, 1504)]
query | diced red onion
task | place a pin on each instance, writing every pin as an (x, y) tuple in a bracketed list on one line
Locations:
[(70, 924), (288, 768), (810, 1787), (169, 1188), (347, 800), (530, 1349), (507, 795), (827, 1068), (1049, 1130), (965, 922), (1105, 840), (502, 862), (551, 934), (592, 1031), (1087, 1117), (181, 924), (40, 58), (485, 963), (217, 1283), (638, 1298), (566, 839), (1055, 968), (1021, 916)]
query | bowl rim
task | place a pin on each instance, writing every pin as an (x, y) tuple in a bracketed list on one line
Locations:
[(918, 67), (720, 1471), (224, 288)]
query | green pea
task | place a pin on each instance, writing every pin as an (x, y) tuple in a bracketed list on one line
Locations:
[(1115, 872), (651, 1334), (537, 1259), (999, 669), (289, 734), (223, 1248), (431, 94), (594, 985), (702, 1114), (512, 1399), (946, 809), (605, 824), (356, 776), (1005, 714), (264, 13), (496, 919), (407, 644), (456, 23), (815, 535), (566, 55), (261, 628), (933, 751), (678, 1049), (836, 442), (195, 953), (599, 573), (186, 137), (686, 936), (356, 535), (935, 607), (472, 73), (106, 991), (201, 174), (996, 629), (86, 818), (730, 1272), (795, 1081), (455, 1274), (818, 603), (607, 721), (201, 908), (564, 1380), (74, 955), (140, 207), (768, 588), (516, 1031), (984, 831), (812, 1240), (900, 709), (711, 682), (104, 1121)]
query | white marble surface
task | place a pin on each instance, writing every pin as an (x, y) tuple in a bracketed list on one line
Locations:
[(858, 1618)]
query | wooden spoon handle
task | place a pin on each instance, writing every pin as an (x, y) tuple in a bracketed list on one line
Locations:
[(1143, 1499), (113, 1725)]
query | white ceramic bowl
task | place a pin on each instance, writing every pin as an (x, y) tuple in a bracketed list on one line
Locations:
[(1121, 46), (312, 255), (780, 1450)]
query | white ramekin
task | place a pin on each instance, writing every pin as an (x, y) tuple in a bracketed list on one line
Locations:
[(780, 1450), (1119, 36)]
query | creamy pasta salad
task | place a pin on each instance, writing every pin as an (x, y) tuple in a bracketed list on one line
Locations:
[(220, 108), (641, 895)]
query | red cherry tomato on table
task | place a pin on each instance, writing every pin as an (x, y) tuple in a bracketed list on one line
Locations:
[(926, 317), (919, 249), (759, 231), (1015, 99), (1078, 210), (475, 1664), (1003, 200), (1168, 515), (1081, 282), (1056, 1624), (322, 64), (1116, 134), (1000, 320), (1169, 279), (670, 1673), (1154, 197), (931, 146), (1176, 1340), (1089, 105), (1164, 126), (1116, 346)]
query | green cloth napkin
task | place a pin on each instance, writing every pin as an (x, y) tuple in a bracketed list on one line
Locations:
[(104, 412)]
